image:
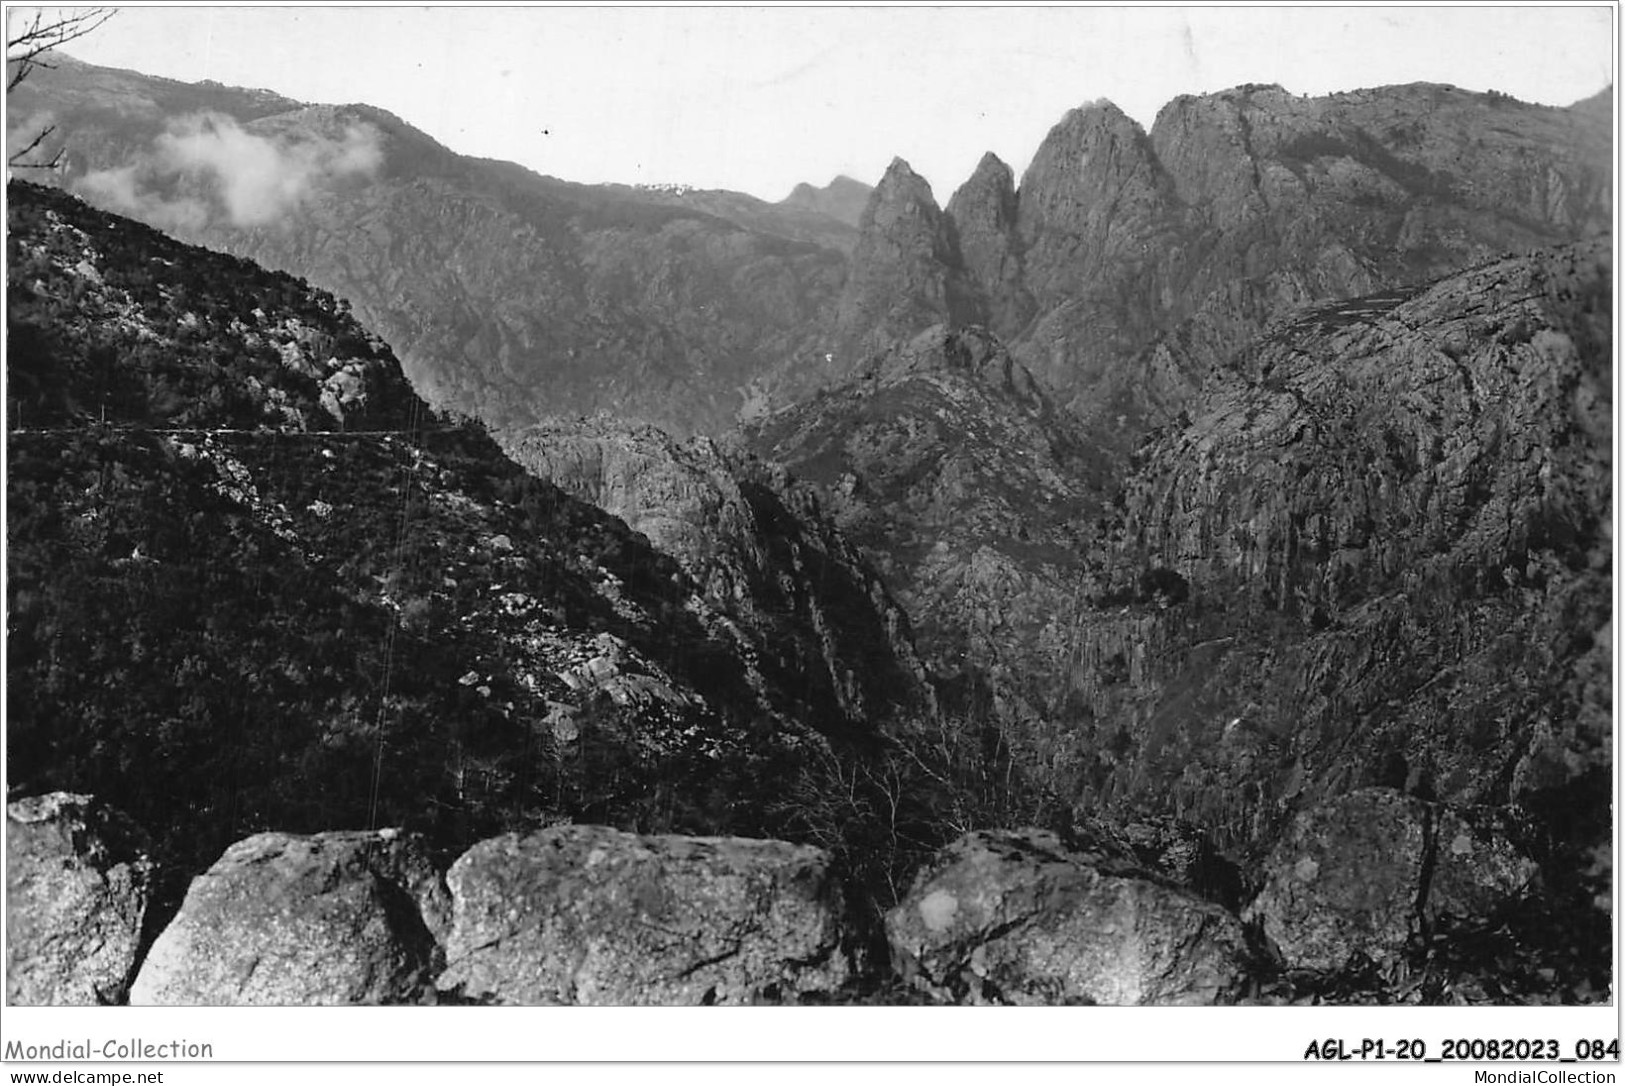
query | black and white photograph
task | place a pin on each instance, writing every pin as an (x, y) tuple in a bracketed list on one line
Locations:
[(866, 508)]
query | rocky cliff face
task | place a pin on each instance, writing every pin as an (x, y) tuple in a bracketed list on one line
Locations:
[(904, 273), (1373, 551), (982, 216), (1098, 223), (967, 488), (809, 612), (1293, 200), (1401, 502), (1151, 258), (1267, 504)]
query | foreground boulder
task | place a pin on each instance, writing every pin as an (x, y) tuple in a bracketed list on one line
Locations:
[(588, 915), (78, 884), (334, 918), (1364, 874), (1014, 917)]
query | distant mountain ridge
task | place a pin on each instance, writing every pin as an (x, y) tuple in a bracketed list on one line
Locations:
[(510, 295), (843, 199)]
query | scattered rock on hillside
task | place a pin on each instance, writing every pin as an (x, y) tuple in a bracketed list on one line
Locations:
[(590, 915), (78, 883), (333, 918), (1366, 873), (1013, 917)]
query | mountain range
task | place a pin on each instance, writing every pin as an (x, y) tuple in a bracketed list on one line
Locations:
[(503, 289)]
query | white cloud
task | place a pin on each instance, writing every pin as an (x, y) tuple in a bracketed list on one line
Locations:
[(206, 166)]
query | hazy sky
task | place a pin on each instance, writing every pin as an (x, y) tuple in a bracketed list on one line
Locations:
[(759, 98)]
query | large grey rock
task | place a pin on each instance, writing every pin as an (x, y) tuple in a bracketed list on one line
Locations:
[(1367, 872), (78, 884), (1014, 917), (588, 915), (334, 918)]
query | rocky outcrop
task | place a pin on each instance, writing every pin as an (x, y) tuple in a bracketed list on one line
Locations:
[(586, 915), (967, 489), (1373, 552), (1014, 917), (813, 621), (982, 215), (1294, 200), (1152, 258), (904, 274), (1371, 872), (1427, 471), (78, 884), (334, 918)]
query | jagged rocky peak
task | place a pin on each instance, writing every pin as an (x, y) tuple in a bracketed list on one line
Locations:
[(902, 195), (904, 274), (1095, 155), (982, 216), (989, 195)]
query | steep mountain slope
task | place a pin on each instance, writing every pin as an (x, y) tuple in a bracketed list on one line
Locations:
[(1392, 517), (1301, 200), (971, 493), (764, 553), (982, 217), (253, 583), (904, 272), (1372, 551), (510, 295)]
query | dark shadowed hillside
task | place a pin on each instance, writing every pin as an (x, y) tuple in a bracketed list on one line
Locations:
[(255, 583)]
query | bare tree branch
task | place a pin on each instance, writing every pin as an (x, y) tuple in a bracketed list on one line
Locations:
[(16, 158), (26, 50)]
